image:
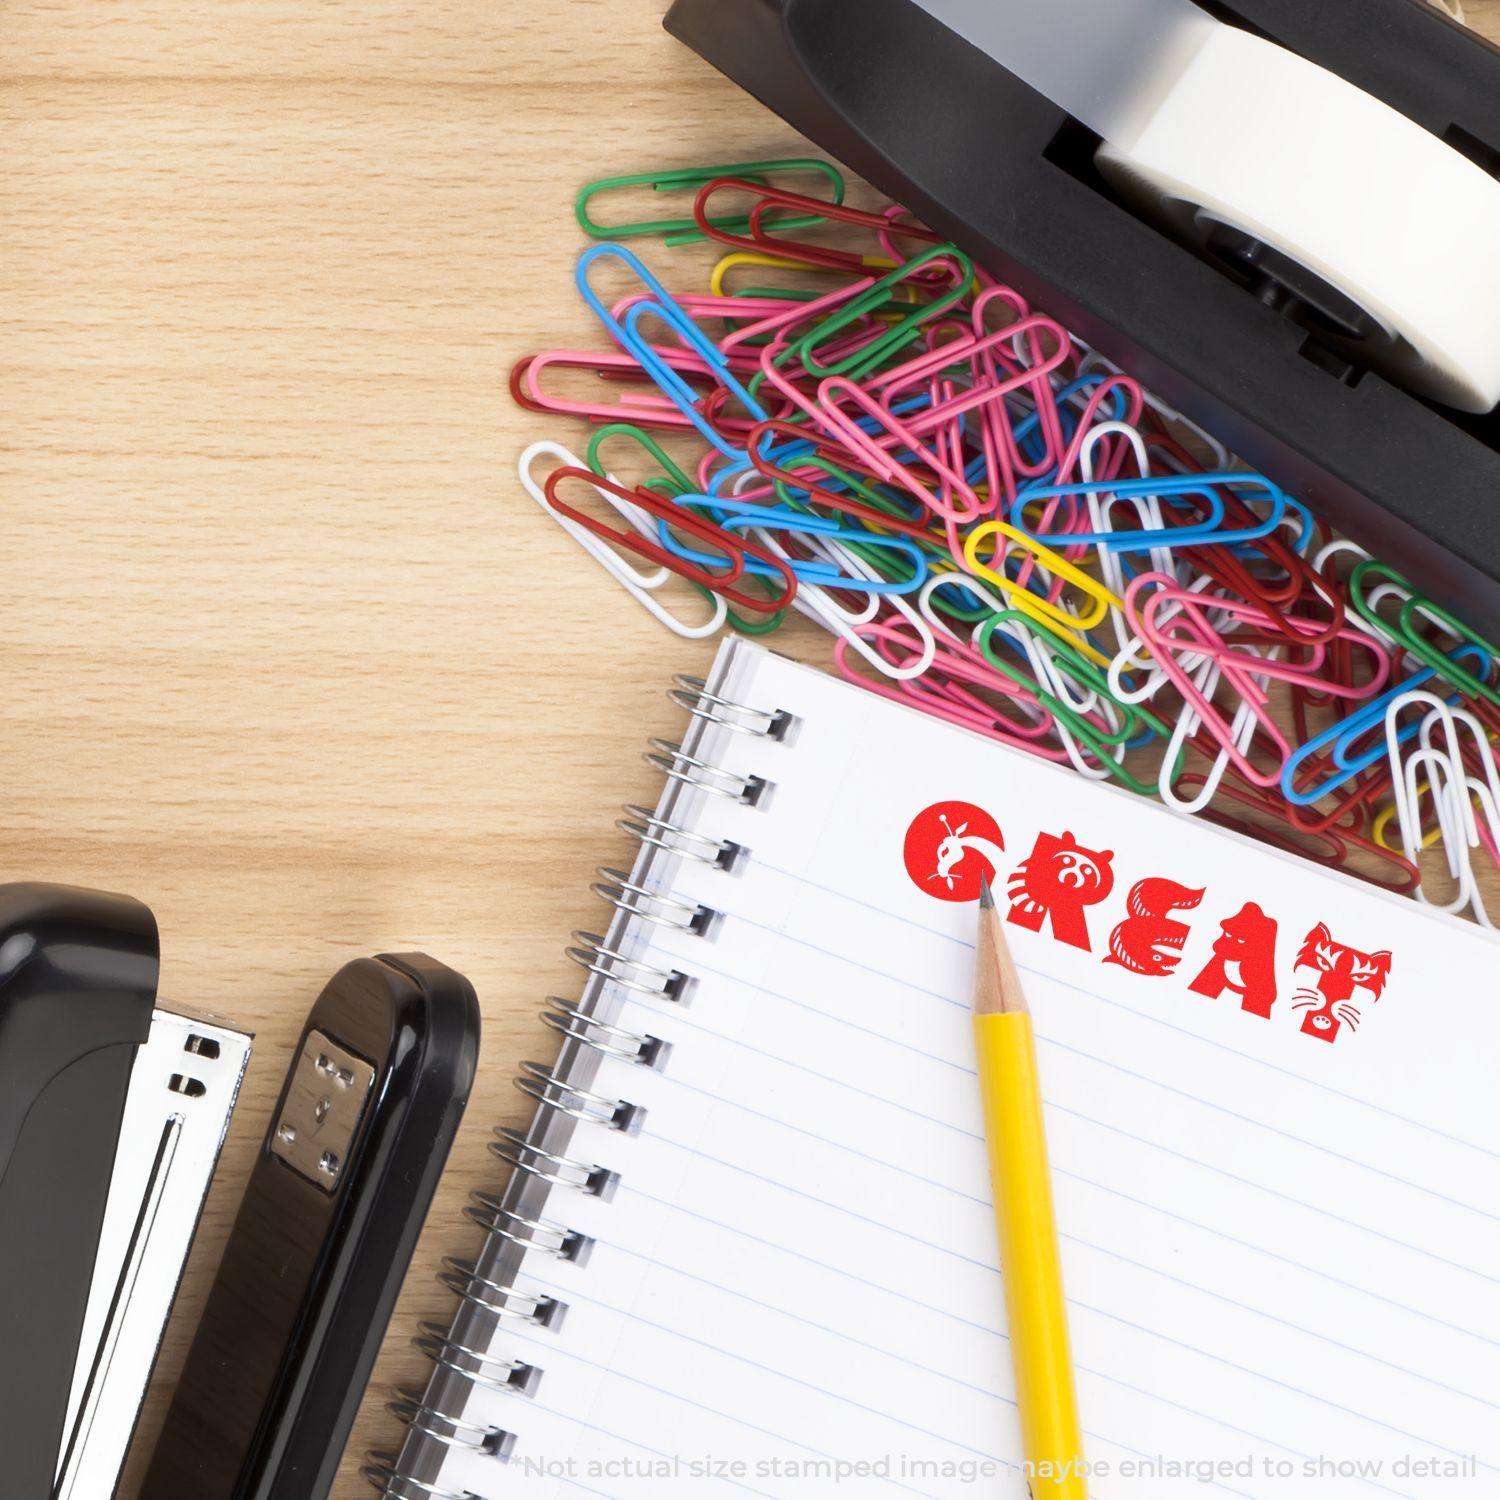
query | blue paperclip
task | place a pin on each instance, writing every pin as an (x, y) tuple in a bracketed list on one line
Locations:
[(1248, 551), (1165, 488), (1345, 735), (628, 337), (738, 515)]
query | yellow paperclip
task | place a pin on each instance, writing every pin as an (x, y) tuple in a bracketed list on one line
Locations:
[(1383, 822), (779, 263), (1050, 625), (1053, 616)]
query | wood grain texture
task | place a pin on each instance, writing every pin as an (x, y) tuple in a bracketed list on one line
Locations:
[(287, 654)]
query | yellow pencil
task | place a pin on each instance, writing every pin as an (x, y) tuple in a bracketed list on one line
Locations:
[(1030, 1263)]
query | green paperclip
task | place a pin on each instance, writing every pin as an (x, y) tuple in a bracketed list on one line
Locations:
[(671, 472), (686, 231), (902, 332), (1082, 671), (1405, 633)]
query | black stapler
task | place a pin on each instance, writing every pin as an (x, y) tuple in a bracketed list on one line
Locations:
[(78, 977), (323, 1237), (1246, 344), (111, 1118)]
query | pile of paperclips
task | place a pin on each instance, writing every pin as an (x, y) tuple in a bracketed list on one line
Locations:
[(1000, 528)]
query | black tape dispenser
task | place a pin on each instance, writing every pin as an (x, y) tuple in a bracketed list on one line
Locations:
[(1281, 217)]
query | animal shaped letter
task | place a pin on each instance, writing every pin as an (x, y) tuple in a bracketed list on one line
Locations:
[(1244, 961), (1059, 880), (1149, 941), (1343, 971)]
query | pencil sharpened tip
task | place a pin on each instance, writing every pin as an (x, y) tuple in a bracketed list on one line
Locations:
[(986, 896)]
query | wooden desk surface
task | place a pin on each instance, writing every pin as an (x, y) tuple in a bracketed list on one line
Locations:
[(287, 654)]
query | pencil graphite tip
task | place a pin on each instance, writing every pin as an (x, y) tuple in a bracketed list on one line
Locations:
[(997, 985)]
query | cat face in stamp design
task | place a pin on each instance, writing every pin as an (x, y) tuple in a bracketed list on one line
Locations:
[(1343, 973)]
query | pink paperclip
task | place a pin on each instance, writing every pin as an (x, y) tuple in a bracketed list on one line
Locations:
[(1243, 684), (950, 702), (893, 384), (948, 441), (1108, 467), (703, 308), (987, 396), (997, 292), (839, 388), (779, 325), (1075, 514), (1070, 512), (898, 219), (996, 432), (1106, 388), (948, 438), (793, 394), (637, 406), (1196, 605)]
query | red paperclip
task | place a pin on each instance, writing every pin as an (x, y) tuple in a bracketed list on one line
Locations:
[(770, 200), (735, 548)]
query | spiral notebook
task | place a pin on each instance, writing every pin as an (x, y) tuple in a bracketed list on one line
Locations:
[(748, 1246)]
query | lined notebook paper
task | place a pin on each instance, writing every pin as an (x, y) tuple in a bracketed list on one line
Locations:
[(1277, 1152)]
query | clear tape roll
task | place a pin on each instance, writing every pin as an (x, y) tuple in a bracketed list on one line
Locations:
[(1262, 141), (1210, 128)]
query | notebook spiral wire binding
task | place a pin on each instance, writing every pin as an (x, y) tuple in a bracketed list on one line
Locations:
[(602, 962)]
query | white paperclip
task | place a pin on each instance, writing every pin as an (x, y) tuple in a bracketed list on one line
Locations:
[(965, 581), (1335, 548), (1242, 732), (1453, 792), (636, 582), (815, 601), (1436, 769), (1481, 791)]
